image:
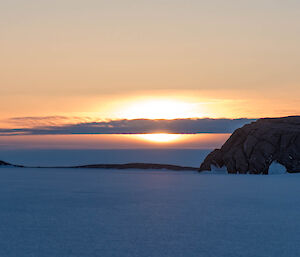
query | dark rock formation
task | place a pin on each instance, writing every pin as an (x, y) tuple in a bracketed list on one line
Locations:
[(2, 163), (252, 148), (6, 164)]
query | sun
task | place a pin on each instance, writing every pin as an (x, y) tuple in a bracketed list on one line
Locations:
[(160, 137), (158, 109)]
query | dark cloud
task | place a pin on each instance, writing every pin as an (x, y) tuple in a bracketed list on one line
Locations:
[(138, 126), (47, 120)]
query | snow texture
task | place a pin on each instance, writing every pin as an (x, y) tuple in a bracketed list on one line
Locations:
[(276, 168), (81, 212), (218, 170)]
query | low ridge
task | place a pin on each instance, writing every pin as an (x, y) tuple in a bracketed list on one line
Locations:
[(144, 166)]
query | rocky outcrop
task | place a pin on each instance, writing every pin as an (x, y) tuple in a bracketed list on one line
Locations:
[(2, 163), (6, 164), (253, 148)]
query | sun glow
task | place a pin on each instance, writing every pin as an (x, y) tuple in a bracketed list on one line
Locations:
[(160, 137), (159, 109)]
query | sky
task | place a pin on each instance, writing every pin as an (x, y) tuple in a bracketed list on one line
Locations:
[(93, 60)]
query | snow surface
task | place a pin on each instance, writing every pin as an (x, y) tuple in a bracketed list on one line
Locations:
[(88, 213), (218, 170), (276, 168)]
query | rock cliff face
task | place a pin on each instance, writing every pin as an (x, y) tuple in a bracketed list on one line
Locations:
[(253, 148)]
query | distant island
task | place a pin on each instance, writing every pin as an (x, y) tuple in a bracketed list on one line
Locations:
[(143, 166)]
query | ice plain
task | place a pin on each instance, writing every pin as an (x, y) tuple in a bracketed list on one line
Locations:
[(82, 212)]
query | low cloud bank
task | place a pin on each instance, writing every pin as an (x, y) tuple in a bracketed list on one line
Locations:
[(137, 126)]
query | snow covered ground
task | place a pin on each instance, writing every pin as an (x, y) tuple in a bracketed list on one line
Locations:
[(83, 213)]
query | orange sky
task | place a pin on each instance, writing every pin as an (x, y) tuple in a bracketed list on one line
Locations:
[(199, 141), (105, 59)]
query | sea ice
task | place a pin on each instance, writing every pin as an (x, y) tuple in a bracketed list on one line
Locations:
[(218, 170), (90, 213), (276, 168)]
